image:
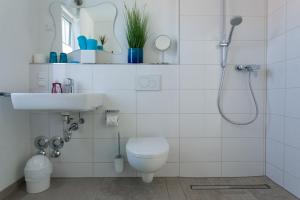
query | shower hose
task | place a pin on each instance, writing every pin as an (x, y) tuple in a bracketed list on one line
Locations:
[(220, 94)]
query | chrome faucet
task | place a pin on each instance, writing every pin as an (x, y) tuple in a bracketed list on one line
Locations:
[(69, 85)]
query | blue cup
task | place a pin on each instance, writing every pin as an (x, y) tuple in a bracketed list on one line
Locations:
[(92, 44), (53, 57), (82, 42), (63, 58), (135, 55)]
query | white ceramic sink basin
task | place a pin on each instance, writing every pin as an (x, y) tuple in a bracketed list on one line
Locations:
[(57, 102)]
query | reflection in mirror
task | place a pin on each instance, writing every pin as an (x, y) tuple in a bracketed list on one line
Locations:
[(95, 22)]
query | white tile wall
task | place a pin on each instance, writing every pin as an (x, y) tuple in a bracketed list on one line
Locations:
[(184, 111), (283, 144)]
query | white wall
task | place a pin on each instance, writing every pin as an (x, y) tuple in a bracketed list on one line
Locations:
[(283, 144), (184, 111), (15, 53)]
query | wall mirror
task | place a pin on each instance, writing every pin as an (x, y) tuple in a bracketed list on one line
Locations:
[(93, 19)]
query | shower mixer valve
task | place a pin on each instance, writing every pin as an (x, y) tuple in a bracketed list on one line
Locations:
[(248, 68)]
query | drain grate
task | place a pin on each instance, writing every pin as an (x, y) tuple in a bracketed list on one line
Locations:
[(230, 187)]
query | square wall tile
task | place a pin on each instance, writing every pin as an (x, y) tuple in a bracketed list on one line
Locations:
[(74, 170), (275, 174), (164, 102), (276, 49), (292, 13), (114, 77), (292, 136), (254, 130), (200, 169), (39, 123), (292, 73), (276, 23), (276, 101), (276, 75), (247, 52), (200, 125), (200, 27), (246, 7), (241, 101), (77, 150), (158, 125), (197, 77), (292, 43), (242, 169), (275, 128), (199, 52), (243, 150), (200, 7), (292, 102), (273, 5), (275, 154), (198, 101), (292, 161), (200, 150)]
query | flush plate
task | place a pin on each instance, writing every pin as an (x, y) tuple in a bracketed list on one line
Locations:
[(148, 83)]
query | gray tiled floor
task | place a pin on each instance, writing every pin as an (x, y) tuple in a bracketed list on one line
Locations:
[(160, 189)]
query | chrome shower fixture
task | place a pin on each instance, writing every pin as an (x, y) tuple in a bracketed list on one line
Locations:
[(248, 68), (235, 21), (224, 48), (78, 2)]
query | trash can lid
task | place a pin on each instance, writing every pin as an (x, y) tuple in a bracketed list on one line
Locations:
[(38, 163)]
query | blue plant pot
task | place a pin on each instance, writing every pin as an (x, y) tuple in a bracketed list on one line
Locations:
[(135, 55), (100, 47)]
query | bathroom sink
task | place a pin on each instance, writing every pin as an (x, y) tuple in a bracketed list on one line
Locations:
[(57, 102)]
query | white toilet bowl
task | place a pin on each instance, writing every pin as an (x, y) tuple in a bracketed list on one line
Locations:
[(147, 155)]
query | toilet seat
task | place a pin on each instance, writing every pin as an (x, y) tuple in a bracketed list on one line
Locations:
[(147, 148)]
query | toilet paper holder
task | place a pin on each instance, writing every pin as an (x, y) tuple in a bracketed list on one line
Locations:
[(112, 118)]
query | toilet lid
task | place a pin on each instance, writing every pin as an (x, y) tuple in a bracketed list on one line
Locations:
[(147, 147)]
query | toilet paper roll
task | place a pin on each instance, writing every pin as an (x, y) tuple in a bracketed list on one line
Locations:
[(112, 119)]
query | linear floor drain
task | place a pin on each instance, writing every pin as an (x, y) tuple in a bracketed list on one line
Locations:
[(229, 187)]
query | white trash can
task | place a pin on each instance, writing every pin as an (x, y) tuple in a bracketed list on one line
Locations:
[(37, 172)]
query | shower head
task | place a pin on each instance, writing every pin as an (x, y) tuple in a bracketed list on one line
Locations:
[(235, 21), (78, 2)]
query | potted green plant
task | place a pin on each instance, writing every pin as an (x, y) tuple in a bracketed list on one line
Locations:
[(103, 40), (136, 33)]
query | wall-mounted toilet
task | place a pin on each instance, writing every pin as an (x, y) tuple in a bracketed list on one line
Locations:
[(147, 155)]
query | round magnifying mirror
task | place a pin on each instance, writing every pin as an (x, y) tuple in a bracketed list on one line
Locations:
[(163, 42)]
